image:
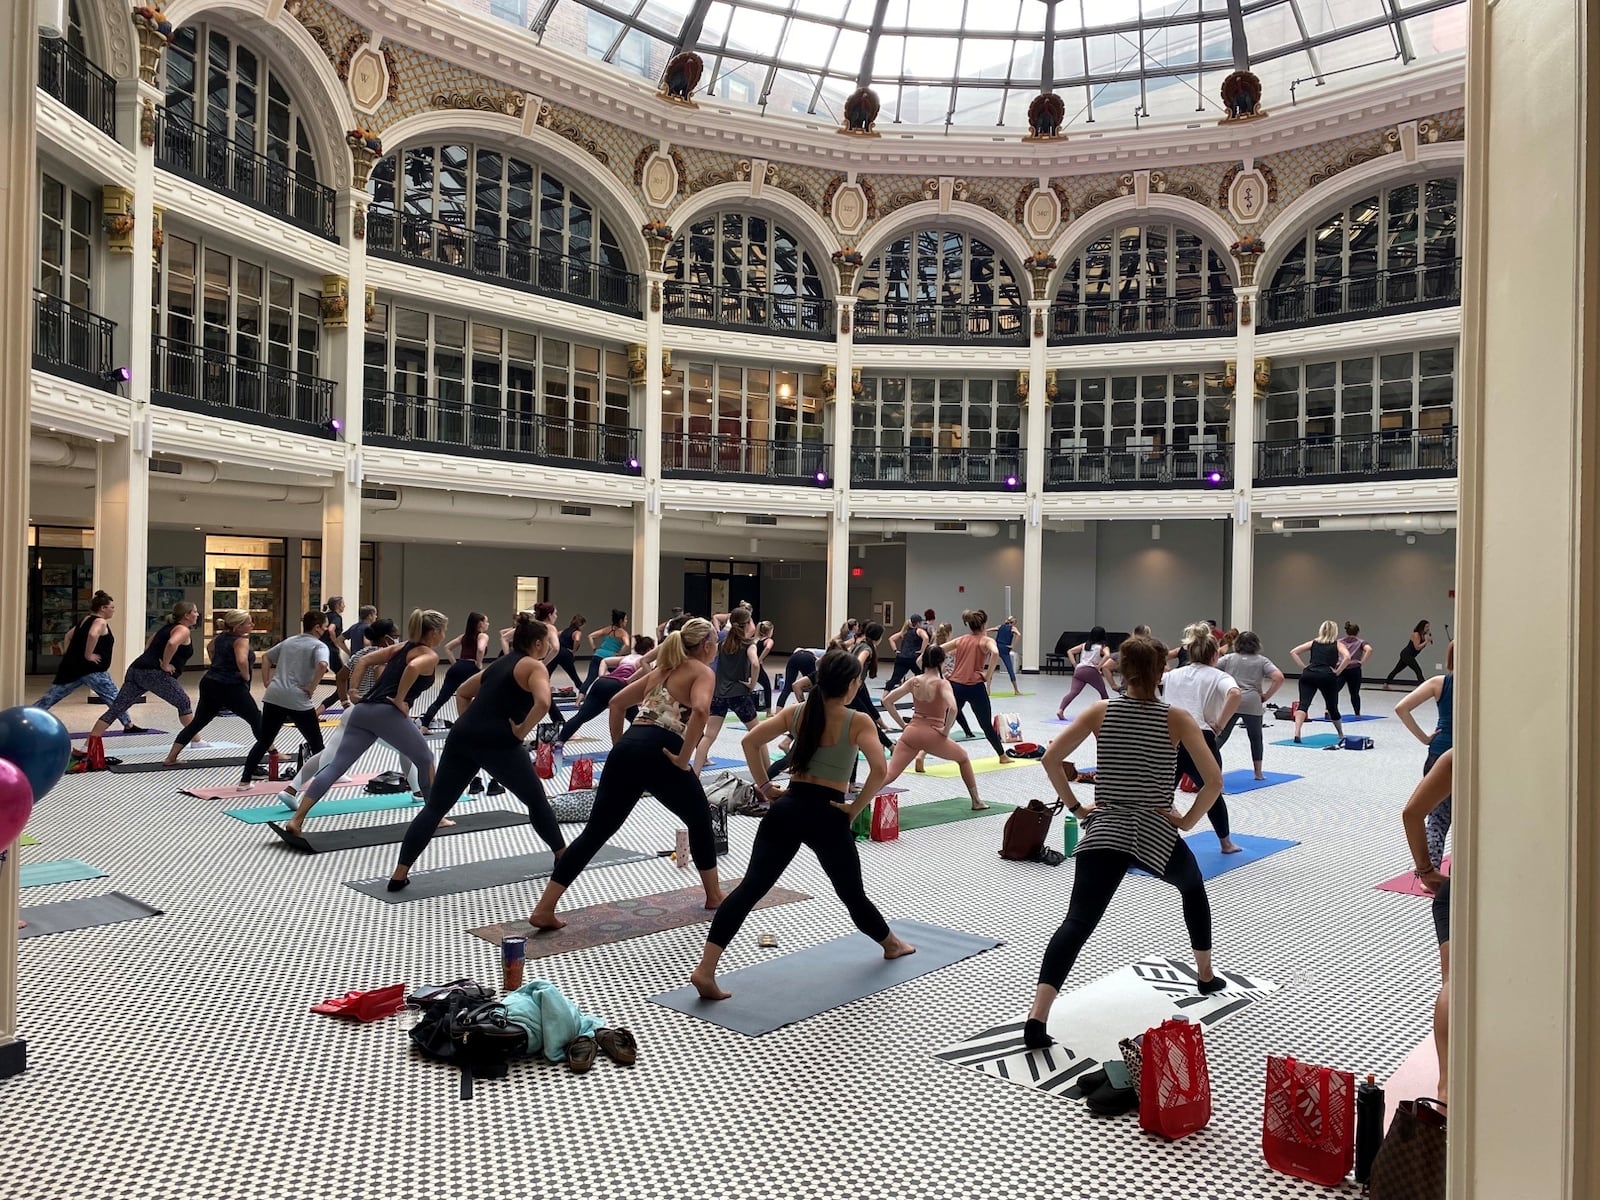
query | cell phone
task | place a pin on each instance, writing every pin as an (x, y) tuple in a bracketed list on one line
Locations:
[(1117, 1074)]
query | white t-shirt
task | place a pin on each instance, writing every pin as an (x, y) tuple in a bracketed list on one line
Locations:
[(1202, 692), (295, 662)]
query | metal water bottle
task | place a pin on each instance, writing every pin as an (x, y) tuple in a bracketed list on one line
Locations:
[(1069, 834), (1370, 1109), (272, 764)]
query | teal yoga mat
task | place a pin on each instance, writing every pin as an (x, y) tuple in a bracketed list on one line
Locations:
[(1214, 862), (65, 870), (1311, 741)]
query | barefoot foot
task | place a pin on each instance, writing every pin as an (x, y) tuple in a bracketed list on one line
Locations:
[(978, 806), (1229, 846), (446, 823), (706, 985), (542, 920), (897, 948), (712, 901)]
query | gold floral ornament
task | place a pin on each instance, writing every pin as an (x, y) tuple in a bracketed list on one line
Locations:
[(1040, 267), (657, 237), (154, 31), (848, 261), (366, 148), (1247, 251)]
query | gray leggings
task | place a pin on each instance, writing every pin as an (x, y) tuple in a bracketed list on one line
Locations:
[(367, 724)]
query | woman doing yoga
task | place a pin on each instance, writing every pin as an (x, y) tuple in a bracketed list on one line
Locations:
[(469, 650), (1091, 667), (613, 639), (567, 646), (291, 669), (1005, 635), (84, 661), (614, 675), (384, 713), (1258, 679), (226, 684), (1359, 650), (157, 669), (1421, 638), (1429, 796), (908, 646), (802, 664), (976, 657), (1320, 674), (1132, 819), (738, 677), (813, 812), (652, 756), (933, 712), (1211, 697), (497, 710)]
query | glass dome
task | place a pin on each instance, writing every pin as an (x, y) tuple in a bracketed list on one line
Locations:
[(977, 63)]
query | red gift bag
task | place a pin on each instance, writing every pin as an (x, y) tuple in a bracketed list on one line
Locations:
[(582, 775), (885, 818), (1174, 1083), (1189, 784), (544, 761), (1308, 1124)]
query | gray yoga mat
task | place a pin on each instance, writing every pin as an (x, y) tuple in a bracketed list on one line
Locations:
[(64, 915), (322, 841), (493, 872), (183, 764), (784, 990)]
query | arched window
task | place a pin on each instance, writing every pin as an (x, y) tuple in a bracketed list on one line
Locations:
[(478, 209), (940, 285), (1143, 280), (1394, 248), (745, 269)]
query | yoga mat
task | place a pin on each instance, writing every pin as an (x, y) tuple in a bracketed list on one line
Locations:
[(1416, 1076), (63, 870), (183, 764), (784, 990), (155, 753), (621, 920), (29, 841), (1311, 741), (1347, 718), (111, 909), (1407, 884), (1234, 782), (111, 733), (493, 872), (262, 787), (980, 766), (324, 841), (1088, 1021), (942, 812), (1214, 862), (342, 806)]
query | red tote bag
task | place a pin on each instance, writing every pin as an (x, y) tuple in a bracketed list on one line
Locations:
[(1308, 1125), (885, 818), (582, 775), (1174, 1082)]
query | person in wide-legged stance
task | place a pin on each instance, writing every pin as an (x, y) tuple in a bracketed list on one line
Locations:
[(1325, 658), (933, 712), (815, 811), (1132, 820), (157, 669), (292, 669), (653, 756), (84, 661), (976, 656), (225, 687), (1211, 697)]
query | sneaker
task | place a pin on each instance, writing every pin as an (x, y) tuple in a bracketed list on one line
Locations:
[(134, 729), (475, 788), (496, 788)]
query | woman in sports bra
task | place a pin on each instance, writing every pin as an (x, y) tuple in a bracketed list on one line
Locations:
[(933, 712), (157, 669), (611, 641), (652, 756), (815, 811)]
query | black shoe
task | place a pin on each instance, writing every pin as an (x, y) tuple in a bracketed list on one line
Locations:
[(496, 788), (475, 788), (134, 729)]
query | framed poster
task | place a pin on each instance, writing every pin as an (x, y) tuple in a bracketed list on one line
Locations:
[(225, 598), (226, 577)]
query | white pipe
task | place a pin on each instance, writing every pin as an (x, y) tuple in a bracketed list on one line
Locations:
[(53, 452), (1392, 523), (239, 489), (977, 529), (736, 520)]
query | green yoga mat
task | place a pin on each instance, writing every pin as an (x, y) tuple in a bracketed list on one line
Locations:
[(341, 806), (942, 812), (29, 841), (66, 870)]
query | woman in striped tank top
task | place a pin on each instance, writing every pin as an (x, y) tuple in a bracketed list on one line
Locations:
[(1132, 819)]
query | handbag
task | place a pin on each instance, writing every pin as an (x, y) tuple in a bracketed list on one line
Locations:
[(1133, 1057), (1027, 829), (544, 761), (1008, 726), (1411, 1162), (885, 818), (1308, 1121), (582, 775), (1353, 741), (727, 794), (1174, 1082), (573, 808)]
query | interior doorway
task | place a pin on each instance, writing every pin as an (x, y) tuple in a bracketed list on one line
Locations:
[(710, 586)]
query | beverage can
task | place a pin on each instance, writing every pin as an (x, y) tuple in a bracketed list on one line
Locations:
[(513, 954)]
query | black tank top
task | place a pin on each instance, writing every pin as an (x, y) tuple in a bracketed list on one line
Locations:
[(150, 660), (1324, 658), (388, 684), (224, 666), (912, 644), (74, 665), (500, 700)]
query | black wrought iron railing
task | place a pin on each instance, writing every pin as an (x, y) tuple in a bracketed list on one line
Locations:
[(1397, 453), (406, 237), (705, 304), (71, 341), (895, 321), (212, 158), (1141, 319), (903, 466), (226, 385), (759, 458), (1076, 468), (457, 426), (1430, 285), (66, 74)]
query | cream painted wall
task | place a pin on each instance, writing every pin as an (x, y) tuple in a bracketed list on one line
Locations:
[(949, 572), (1165, 584)]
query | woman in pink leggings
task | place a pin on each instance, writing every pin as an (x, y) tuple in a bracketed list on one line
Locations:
[(933, 712), (1091, 660)]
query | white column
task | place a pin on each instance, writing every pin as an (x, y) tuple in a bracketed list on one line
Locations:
[(121, 536), (838, 596), (342, 357), (1525, 955), (647, 516), (1034, 474), (1241, 604)]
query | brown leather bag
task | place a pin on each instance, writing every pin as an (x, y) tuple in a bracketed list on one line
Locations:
[(1027, 830)]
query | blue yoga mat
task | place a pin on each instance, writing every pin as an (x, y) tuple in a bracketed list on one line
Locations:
[(341, 806), (1311, 741), (1214, 862), (1234, 782), (65, 870), (1346, 719)]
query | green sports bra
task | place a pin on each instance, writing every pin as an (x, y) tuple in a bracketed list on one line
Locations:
[(835, 762)]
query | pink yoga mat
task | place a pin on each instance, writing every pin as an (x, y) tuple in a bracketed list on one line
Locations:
[(1407, 884), (1417, 1076), (265, 787)]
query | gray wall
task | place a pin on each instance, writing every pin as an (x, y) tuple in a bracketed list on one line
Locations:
[(1165, 584), (949, 572)]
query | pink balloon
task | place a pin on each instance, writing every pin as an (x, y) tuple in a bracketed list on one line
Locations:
[(16, 801)]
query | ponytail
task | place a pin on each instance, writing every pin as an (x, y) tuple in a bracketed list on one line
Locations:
[(424, 621), (835, 673), (681, 643), (527, 634)]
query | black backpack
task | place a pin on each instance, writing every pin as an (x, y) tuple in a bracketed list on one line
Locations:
[(464, 1029)]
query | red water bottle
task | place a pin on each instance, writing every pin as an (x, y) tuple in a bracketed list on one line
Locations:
[(272, 764)]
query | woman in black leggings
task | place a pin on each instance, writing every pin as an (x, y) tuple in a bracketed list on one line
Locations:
[(1134, 820), (828, 731), (652, 756), (1320, 675), (802, 664), (1421, 638), (226, 685), (614, 675), (469, 650), (571, 639), (975, 657), (764, 644), (497, 709)]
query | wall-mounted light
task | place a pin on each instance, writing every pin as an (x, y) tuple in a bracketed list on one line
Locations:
[(118, 375), (820, 478), (1012, 483), (334, 426), (1155, 532), (634, 465)]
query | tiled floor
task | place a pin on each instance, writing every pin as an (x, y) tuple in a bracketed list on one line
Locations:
[(175, 1057)]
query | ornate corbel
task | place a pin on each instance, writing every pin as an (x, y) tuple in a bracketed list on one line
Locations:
[(116, 207), (334, 302), (1022, 385)]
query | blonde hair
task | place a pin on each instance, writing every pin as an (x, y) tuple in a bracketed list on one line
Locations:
[(1329, 632), (942, 634), (424, 621), (234, 618), (764, 629), (681, 643)]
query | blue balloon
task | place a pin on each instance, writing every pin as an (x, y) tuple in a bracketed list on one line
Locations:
[(38, 743)]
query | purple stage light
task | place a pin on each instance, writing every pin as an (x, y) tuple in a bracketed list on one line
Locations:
[(1011, 481), (1214, 478), (633, 464)]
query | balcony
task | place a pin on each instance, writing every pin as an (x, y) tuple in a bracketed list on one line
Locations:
[(405, 422), (925, 467), (212, 159), (1142, 320), (218, 384), (703, 304), (406, 237), (1434, 285), (715, 455), (906, 321), (75, 81), (71, 342), (1352, 458), (1077, 468)]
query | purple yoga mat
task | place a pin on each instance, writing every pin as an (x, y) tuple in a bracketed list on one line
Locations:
[(122, 733)]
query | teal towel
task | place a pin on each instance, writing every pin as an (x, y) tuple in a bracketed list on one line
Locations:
[(65, 870), (549, 1018)]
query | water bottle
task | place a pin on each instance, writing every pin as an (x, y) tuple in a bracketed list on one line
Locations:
[(777, 685), (272, 763), (1370, 1110), (1069, 834)]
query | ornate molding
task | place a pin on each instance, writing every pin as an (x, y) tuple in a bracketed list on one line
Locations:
[(548, 119), (740, 172), (1122, 187), (1189, 191), (928, 189), (1356, 157), (510, 104)]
